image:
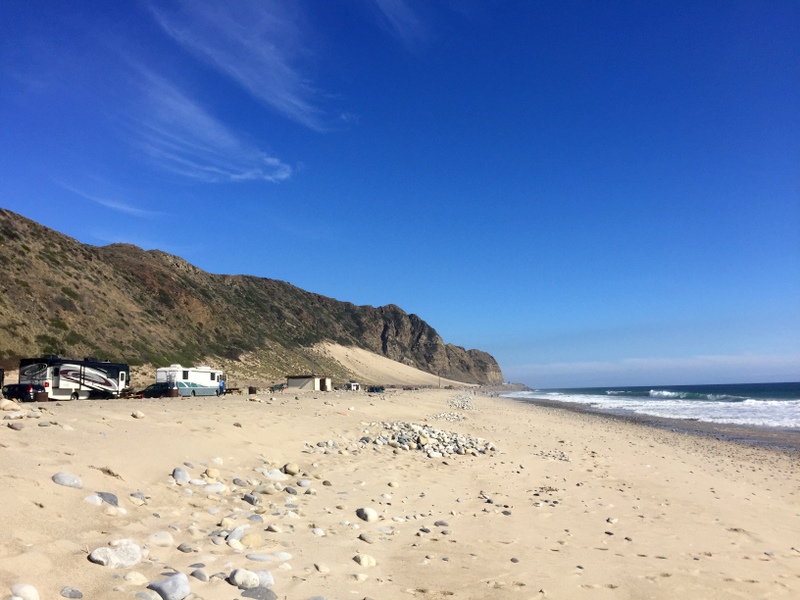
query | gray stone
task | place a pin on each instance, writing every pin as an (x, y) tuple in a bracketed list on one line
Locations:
[(260, 593), (255, 556), (174, 587), (251, 499), (200, 574), (108, 498), (67, 479), (237, 533), (71, 592), (216, 488), (281, 556), (274, 475), (180, 475), (265, 578), (119, 554), (367, 514), (365, 560), (243, 579), (147, 595)]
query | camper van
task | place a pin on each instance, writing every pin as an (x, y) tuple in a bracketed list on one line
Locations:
[(74, 379), (193, 381)]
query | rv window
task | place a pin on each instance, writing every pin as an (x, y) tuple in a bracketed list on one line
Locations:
[(186, 374), (212, 377)]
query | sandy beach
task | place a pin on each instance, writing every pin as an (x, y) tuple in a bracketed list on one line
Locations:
[(562, 504)]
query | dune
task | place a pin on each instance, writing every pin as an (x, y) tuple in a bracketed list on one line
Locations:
[(372, 368)]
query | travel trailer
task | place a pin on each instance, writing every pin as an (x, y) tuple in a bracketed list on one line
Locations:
[(74, 379), (193, 381)]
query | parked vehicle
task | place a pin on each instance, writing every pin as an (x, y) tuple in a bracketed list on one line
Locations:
[(155, 390), (193, 381), (73, 379), (24, 392)]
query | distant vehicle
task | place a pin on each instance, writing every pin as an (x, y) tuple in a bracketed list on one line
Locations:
[(155, 390), (73, 379), (24, 392), (193, 381)]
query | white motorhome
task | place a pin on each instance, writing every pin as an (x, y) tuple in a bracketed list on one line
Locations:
[(73, 379), (193, 381)]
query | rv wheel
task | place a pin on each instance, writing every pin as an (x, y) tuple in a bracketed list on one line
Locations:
[(74, 396)]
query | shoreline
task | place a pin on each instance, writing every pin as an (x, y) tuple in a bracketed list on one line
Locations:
[(773, 438)]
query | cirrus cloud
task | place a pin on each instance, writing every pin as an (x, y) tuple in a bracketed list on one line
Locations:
[(179, 135)]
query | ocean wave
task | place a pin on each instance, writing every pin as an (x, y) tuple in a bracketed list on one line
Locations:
[(732, 410), (695, 396)]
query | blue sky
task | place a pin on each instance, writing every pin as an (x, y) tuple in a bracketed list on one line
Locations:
[(596, 193)]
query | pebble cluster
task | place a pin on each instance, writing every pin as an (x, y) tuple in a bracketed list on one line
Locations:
[(15, 416), (403, 436), (449, 416), (554, 455), (461, 402), (242, 517), (435, 443)]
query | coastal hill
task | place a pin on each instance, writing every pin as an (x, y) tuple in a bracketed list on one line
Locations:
[(150, 308)]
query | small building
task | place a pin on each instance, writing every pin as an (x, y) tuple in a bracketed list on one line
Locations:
[(310, 383), (352, 386)]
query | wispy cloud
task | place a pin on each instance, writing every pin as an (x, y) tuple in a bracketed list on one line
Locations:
[(403, 21), (180, 136), (257, 43), (113, 204)]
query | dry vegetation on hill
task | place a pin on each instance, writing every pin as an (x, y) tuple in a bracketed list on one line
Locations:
[(151, 308)]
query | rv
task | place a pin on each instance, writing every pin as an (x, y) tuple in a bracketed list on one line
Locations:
[(192, 381), (73, 379)]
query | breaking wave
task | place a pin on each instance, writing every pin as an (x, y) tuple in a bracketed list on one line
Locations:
[(717, 407)]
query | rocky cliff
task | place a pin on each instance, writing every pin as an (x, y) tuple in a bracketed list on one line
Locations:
[(148, 307)]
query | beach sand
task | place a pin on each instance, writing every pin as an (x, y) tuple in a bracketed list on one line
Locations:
[(568, 505)]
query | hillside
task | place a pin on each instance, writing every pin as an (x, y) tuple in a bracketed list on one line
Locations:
[(151, 308)]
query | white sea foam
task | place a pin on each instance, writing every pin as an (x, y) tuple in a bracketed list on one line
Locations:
[(757, 413)]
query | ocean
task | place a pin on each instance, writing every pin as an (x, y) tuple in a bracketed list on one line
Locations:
[(773, 405)]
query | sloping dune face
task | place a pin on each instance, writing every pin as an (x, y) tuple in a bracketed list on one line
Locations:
[(372, 368)]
